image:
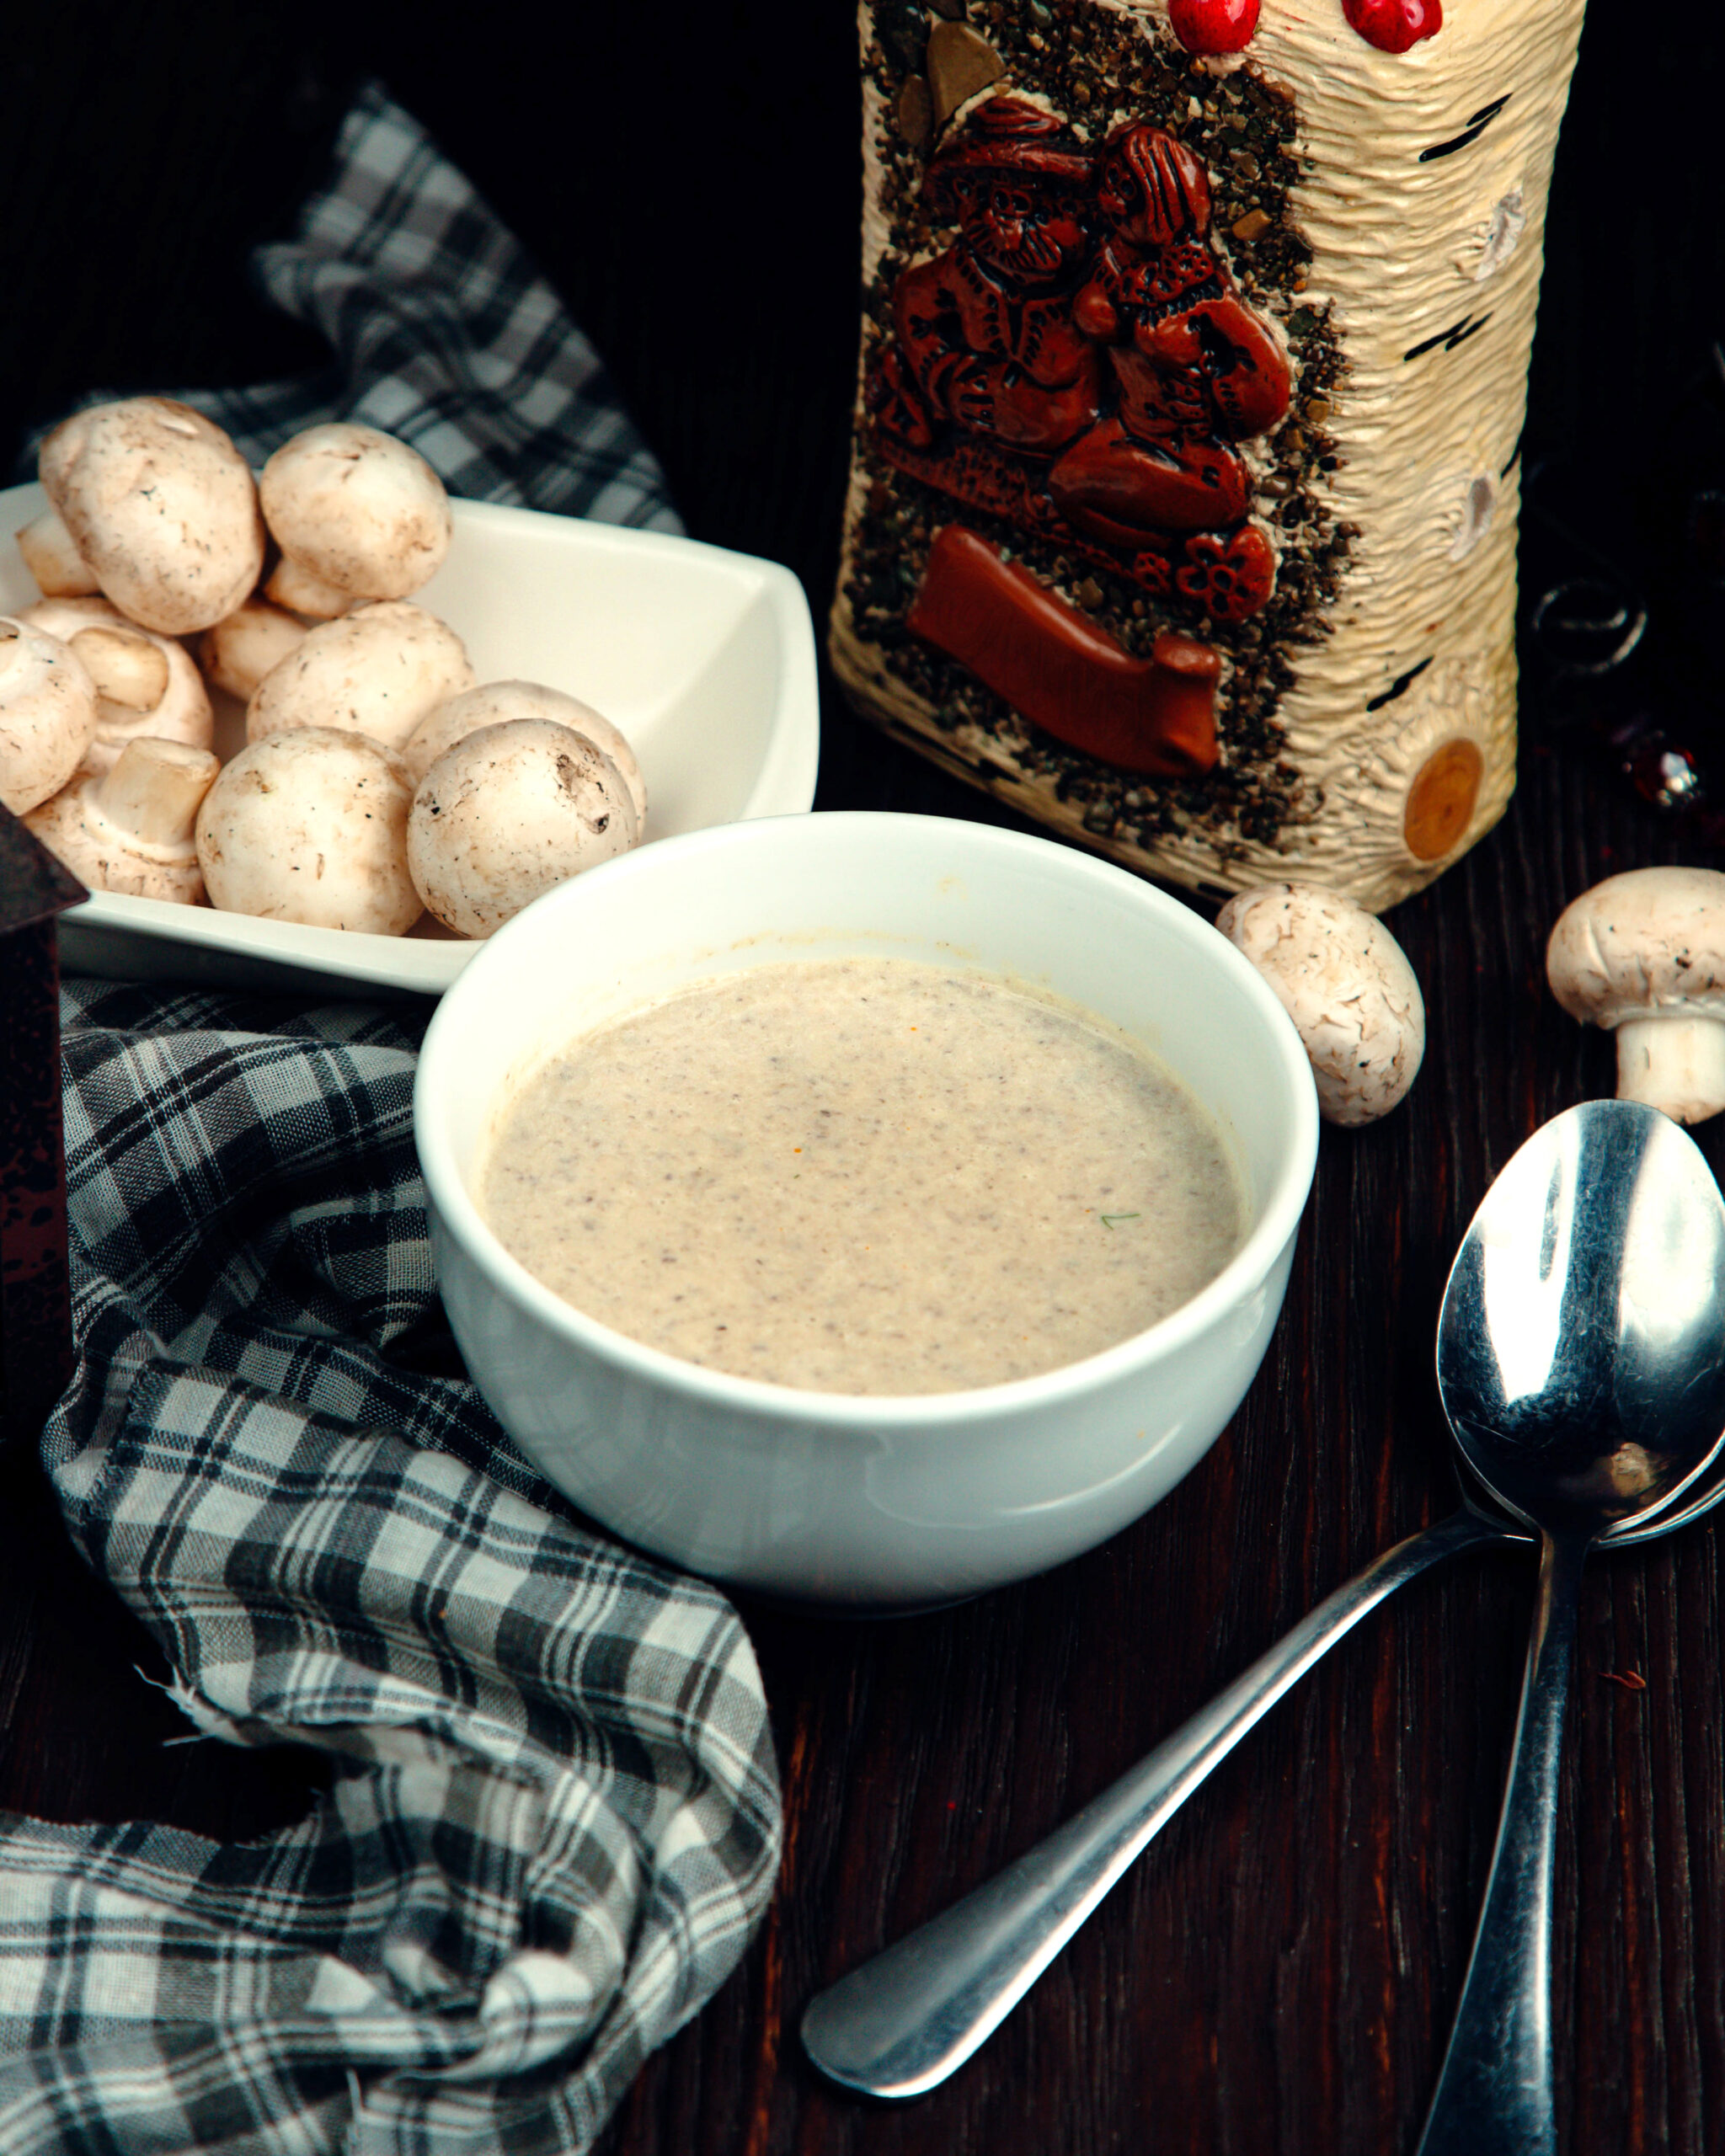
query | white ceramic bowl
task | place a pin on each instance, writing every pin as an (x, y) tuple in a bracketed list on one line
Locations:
[(704, 658), (886, 1502)]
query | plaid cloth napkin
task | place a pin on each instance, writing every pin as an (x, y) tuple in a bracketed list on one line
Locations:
[(553, 1818), (443, 333), (553, 1814)]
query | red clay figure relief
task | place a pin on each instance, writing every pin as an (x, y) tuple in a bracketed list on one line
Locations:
[(989, 376), (1078, 362), (1194, 370)]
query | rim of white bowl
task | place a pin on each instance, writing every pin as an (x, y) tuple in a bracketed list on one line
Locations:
[(865, 1412)]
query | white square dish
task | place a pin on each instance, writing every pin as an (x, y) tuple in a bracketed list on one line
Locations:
[(704, 658)]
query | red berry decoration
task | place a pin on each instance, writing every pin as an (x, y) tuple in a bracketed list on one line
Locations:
[(1215, 25), (1393, 25)]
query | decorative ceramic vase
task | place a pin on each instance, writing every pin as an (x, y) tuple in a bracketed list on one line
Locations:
[(1182, 511)]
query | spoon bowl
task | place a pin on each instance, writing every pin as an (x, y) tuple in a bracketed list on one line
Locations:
[(1582, 1368)]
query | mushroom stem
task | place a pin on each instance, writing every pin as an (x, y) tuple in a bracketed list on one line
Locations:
[(1674, 1062), (154, 790)]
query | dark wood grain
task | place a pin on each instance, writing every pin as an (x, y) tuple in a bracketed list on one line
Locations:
[(1276, 1975)]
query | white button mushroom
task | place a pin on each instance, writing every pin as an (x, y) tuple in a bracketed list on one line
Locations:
[(130, 829), (494, 702), (1643, 954), (162, 507), (509, 812), (47, 714), (147, 685), (241, 649), (377, 670), (356, 512), (52, 558), (311, 826), (1345, 982)]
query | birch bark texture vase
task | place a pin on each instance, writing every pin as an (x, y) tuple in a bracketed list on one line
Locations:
[(1182, 509)]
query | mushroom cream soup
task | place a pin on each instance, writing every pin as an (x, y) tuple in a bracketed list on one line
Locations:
[(863, 1175)]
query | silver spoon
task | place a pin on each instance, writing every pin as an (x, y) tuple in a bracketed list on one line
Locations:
[(901, 2023), (1585, 1389)]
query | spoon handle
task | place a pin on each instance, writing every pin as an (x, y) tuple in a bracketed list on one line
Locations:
[(1494, 2094), (900, 2024)]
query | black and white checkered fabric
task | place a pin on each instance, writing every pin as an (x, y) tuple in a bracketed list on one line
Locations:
[(553, 1814), (442, 334)]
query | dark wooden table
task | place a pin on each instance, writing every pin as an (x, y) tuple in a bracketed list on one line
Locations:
[(1278, 1972)]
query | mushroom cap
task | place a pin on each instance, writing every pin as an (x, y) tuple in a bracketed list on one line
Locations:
[(1345, 982), (47, 714), (1650, 940), (130, 829), (377, 670), (311, 826), (98, 633), (493, 702), (358, 509), (162, 507), (243, 647), (509, 812)]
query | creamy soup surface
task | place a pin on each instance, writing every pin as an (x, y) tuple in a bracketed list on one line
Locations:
[(863, 1175)]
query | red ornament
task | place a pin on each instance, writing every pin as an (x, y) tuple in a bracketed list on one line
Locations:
[(1393, 25), (1229, 577), (1215, 25)]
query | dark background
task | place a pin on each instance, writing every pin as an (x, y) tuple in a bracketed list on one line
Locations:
[(688, 178), (1279, 1973)]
